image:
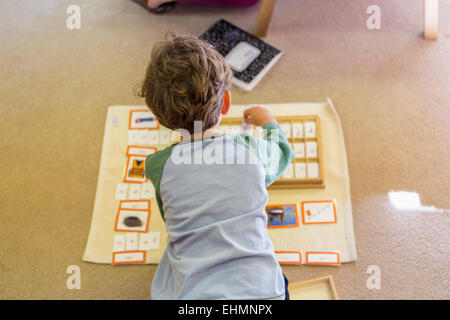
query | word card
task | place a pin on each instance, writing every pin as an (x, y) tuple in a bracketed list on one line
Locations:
[(140, 151), (319, 212), (289, 257), (135, 204), (129, 257), (323, 258), (303, 134)]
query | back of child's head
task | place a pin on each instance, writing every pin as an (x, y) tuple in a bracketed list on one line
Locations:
[(185, 82)]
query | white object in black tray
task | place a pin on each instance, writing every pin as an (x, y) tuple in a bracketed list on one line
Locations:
[(249, 57)]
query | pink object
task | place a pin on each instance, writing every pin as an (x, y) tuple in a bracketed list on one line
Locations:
[(228, 3)]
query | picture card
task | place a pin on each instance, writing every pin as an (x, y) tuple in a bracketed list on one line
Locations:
[(128, 257), (142, 119), (119, 243), (319, 212), (121, 191), (322, 258), (282, 216), (135, 204), (289, 257), (140, 151), (132, 220), (149, 241), (134, 171)]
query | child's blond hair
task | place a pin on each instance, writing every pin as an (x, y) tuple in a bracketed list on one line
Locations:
[(185, 81)]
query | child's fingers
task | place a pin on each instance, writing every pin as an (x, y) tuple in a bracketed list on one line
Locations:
[(248, 118), (248, 113)]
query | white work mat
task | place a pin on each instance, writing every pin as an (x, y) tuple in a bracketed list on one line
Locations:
[(315, 243)]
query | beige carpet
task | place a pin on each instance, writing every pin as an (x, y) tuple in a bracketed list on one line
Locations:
[(390, 87)]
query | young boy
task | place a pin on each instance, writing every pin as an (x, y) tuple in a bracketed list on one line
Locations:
[(210, 187)]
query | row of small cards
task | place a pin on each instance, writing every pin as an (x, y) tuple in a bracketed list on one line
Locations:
[(132, 241), (130, 248), (299, 150), (151, 241), (302, 170), (151, 137), (331, 258), (313, 212), (296, 130), (135, 191)]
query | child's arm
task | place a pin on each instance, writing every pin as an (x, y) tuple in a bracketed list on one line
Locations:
[(154, 167), (274, 151)]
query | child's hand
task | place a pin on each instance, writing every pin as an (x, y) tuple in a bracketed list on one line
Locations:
[(258, 116)]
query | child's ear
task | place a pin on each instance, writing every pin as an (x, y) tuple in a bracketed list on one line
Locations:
[(226, 102)]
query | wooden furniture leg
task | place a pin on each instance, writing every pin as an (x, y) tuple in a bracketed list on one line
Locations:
[(430, 19), (264, 15)]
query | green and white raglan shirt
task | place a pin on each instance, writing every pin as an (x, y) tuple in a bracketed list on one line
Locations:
[(212, 195)]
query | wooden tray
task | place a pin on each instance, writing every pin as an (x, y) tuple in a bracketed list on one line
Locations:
[(321, 288), (233, 125)]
